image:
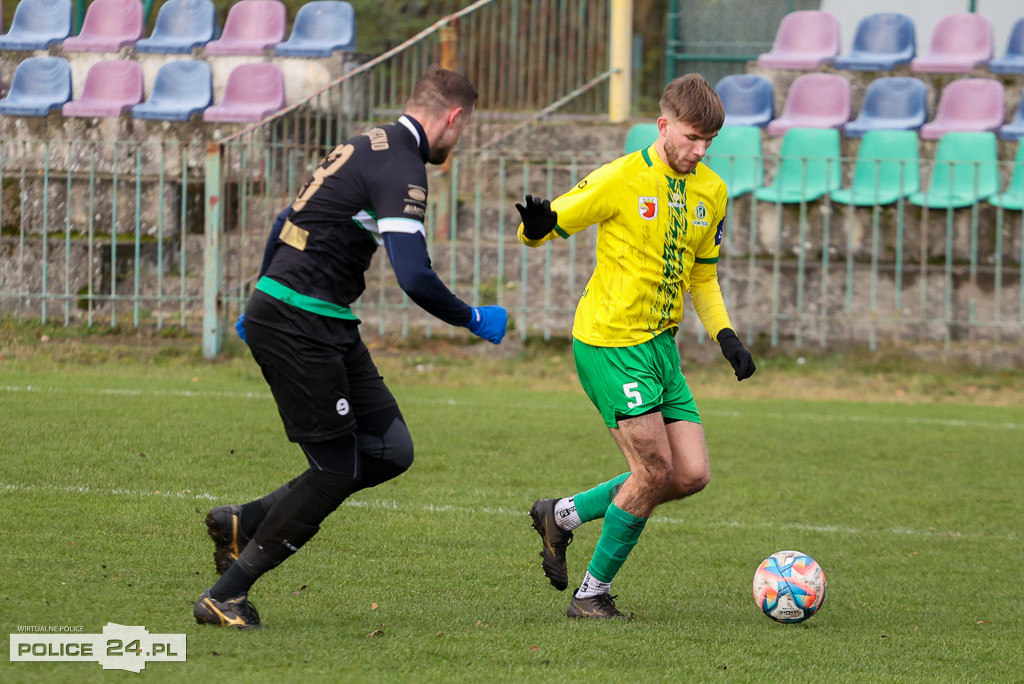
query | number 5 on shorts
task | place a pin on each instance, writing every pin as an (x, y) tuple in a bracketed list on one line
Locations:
[(629, 389)]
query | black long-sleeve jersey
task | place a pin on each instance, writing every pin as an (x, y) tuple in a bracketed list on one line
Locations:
[(369, 191)]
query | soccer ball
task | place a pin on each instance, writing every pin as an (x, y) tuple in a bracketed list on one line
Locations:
[(789, 586)]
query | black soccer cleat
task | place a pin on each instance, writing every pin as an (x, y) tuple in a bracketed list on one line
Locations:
[(224, 525), (601, 607), (555, 542), (235, 612)]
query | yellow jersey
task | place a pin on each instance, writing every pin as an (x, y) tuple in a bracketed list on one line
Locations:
[(658, 237)]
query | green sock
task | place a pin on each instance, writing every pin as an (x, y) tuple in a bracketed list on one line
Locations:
[(619, 536), (591, 504)]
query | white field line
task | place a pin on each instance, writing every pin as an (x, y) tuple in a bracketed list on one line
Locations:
[(800, 417), (470, 511)]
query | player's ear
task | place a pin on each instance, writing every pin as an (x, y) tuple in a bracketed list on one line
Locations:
[(662, 125), (453, 115)]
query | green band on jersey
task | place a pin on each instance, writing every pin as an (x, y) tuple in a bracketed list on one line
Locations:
[(304, 302), (713, 260), (561, 232)]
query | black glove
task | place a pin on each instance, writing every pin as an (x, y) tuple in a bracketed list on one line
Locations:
[(733, 350), (538, 219)]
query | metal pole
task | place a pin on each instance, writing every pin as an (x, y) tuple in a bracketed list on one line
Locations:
[(620, 53), (211, 253)]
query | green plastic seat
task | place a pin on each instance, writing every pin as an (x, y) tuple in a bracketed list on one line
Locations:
[(887, 168), (965, 171), (640, 137), (808, 167), (1013, 196), (735, 155)]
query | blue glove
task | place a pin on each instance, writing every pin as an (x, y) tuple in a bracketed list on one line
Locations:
[(489, 323), (240, 327)]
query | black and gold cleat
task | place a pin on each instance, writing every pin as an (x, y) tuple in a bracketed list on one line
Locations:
[(601, 607), (235, 612), (555, 542), (223, 524)]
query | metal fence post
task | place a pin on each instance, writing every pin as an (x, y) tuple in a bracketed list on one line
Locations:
[(211, 253), (620, 58)]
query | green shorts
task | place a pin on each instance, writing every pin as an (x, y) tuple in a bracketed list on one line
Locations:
[(632, 381)]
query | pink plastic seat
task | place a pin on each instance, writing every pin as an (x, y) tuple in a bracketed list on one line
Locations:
[(252, 26), (111, 88), (967, 104), (109, 25), (814, 101), (959, 43), (807, 39), (253, 91)]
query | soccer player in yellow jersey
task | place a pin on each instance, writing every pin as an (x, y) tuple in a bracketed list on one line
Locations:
[(659, 214)]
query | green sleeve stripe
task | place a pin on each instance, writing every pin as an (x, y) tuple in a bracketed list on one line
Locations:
[(561, 232), (706, 261)]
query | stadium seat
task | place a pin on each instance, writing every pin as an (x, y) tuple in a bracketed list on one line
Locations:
[(252, 26), (887, 168), (111, 88), (893, 103), (814, 101), (37, 25), (1012, 62), (640, 137), (181, 25), (735, 155), (965, 171), (40, 84), (1013, 196), (109, 25), (749, 99), (968, 104), (252, 92), (806, 39), (960, 42), (808, 167), (1015, 129), (320, 28), (182, 88), (882, 42)]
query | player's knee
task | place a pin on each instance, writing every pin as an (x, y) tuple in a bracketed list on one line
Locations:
[(385, 456), (687, 483)]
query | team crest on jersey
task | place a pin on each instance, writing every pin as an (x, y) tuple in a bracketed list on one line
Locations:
[(648, 208), (700, 213)]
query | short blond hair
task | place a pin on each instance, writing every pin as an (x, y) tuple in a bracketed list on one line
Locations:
[(692, 100)]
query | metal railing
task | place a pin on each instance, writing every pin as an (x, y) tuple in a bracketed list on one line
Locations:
[(113, 241)]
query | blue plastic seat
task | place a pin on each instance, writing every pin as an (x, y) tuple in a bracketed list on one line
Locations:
[(1013, 61), (640, 137), (40, 85), (882, 42), (37, 25), (321, 27), (182, 88), (735, 155), (749, 99), (887, 168), (181, 25), (808, 167), (965, 172), (893, 103), (1015, 129)]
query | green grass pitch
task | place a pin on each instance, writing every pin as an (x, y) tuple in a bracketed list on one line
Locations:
[(914, 511)]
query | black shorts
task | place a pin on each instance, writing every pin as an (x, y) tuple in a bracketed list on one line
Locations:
[(318, 368)]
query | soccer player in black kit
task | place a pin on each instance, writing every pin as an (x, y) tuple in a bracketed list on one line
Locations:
[(369, 191)]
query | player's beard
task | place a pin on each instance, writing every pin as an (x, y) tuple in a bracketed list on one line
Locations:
[(439, 154), (676, 160)]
